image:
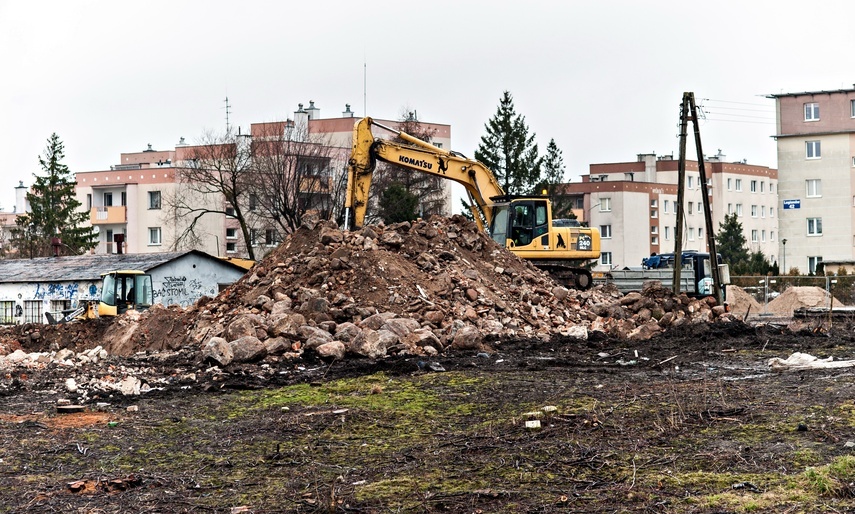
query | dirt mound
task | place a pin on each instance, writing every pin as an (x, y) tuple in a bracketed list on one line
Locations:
[(742, 303), (796, 297)]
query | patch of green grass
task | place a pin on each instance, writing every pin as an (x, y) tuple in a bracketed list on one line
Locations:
[(831, 480)]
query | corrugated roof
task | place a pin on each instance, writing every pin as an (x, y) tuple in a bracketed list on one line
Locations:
[(85, 267)]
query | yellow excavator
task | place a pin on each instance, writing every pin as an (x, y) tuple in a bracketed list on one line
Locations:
[(522, 224)]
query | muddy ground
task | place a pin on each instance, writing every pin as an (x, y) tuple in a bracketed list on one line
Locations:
[(690, 421)]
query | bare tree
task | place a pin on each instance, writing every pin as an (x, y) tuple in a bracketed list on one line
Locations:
[(430, 189), (294, 172), (215, 177)]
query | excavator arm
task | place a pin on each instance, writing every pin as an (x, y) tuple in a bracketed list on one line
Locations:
[(417, 155)]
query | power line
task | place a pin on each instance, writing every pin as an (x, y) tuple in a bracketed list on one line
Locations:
[(741, 103)]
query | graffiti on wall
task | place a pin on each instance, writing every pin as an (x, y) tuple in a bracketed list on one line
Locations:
[(179, 290), (56, 291)]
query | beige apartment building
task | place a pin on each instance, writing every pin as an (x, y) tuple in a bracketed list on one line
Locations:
[(816, 158), (633, 204), (128, 202)]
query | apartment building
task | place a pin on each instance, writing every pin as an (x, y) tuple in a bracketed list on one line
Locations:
[(128, 202), (815, 136), (634, 205)]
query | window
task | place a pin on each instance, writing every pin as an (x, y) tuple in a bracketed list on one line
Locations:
[(690, 182), (700, 208), (763, 236), (814, 226), (123, 201), (689, 205), (813, 187), (812, 111), (605, 231), (701, 233), (231, 247), (753, 186), (606, 258), (154, 199), (772, 235), (154, 236), (231, 233), (813, 263), (253, 236), (605, 204), (739, 184), (88, 201), (754, 237), (253, 201), (654, 229), (739, 210), (230, 211), (654, 240), (33, 311), (771, 212), (813, 150), (665, 206), (667, 233), (108, 199), (654, 213), (762, 211), (438, 145), (690, 233), (729, 184), (762, 187), (753, 211), (271, 237), (57, 306), (653, 203), (730, 208), (7, 312), (852, 108)]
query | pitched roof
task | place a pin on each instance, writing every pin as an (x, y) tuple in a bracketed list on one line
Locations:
[(87, 267)]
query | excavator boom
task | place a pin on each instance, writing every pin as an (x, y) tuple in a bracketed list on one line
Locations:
[(522, 224)]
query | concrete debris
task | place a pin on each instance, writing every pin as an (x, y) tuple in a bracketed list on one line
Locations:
[(420, 288)]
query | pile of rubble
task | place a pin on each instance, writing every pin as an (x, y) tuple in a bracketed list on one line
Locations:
[(416, 288), (413, 288)]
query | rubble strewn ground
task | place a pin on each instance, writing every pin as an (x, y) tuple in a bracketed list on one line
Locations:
[(405, 368)]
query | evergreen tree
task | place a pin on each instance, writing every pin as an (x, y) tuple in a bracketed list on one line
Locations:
[(730, 243), (54, 210), (397, 204), (509, 151), (552, 169)]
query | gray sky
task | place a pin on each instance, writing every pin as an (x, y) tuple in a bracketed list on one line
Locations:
[(603, 78)]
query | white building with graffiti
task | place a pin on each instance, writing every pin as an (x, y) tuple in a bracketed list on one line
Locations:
[(31, 287)]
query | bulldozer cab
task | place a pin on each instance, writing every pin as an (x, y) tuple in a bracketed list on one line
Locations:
[(125, 290)]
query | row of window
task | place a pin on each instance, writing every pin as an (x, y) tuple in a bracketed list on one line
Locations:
[(154, 199), (755, 186), (812, 110)]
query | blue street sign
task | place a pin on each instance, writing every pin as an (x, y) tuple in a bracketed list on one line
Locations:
[(792, 204)]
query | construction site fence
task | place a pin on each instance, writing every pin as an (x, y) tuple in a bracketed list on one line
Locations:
[(764, 289)]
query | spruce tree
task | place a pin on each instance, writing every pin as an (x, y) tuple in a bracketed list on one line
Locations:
[(730, 243), (509, 151), (54, 210)]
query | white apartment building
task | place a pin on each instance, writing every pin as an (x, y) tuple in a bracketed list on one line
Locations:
[(816, 158), (634, 205)]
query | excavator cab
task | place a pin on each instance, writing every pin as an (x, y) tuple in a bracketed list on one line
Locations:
[(521, 222), (125, 290)]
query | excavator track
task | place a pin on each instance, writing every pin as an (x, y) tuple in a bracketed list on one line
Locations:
[(568, 276)]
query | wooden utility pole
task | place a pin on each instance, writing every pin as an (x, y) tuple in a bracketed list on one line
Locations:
[(707, 211), (681, 191)]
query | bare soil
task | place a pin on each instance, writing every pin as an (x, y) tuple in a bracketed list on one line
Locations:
[(690, 421)]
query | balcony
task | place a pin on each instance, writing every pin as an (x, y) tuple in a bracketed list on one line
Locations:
[(108, 215)]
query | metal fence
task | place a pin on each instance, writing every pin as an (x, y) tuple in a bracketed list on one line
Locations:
[(764, 289)]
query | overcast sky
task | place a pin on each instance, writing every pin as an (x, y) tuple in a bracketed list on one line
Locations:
[(602, 78)]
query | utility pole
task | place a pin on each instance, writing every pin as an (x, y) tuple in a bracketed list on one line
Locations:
[(707, 211), (681, 191)]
